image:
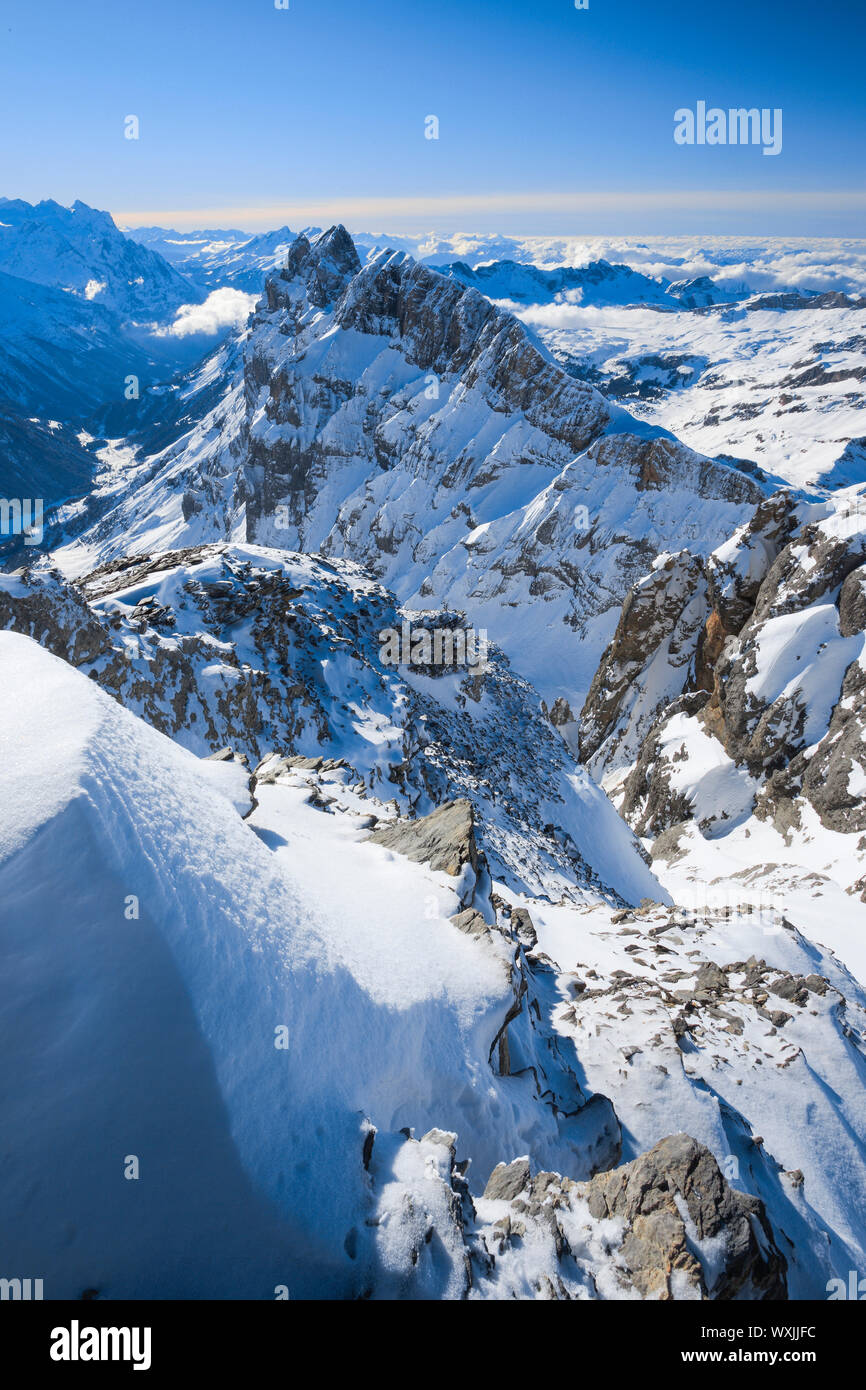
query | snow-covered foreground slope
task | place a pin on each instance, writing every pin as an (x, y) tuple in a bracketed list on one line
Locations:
[(275, 1024), (155, 1035)]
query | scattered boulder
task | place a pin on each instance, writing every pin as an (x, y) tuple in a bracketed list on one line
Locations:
[(711, 978), (522, 923), (674, 1196), (791, 987), (507, 1180), (471, 922), (445, 839)]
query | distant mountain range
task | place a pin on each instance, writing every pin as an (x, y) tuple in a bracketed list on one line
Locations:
[(80, 251)]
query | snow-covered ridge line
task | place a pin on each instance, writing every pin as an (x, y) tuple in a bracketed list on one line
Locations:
[(269, 652)]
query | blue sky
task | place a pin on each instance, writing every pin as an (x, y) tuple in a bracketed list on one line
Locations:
[(551, 119)]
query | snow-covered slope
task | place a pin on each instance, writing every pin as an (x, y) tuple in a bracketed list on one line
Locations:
[(269, 652), (727, 718), (155, 1035), (173, 476), (213, 259), (775, 380), (236, 1065)]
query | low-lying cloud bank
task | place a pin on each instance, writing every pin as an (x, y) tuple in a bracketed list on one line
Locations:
[(773, 263), (224, 308)]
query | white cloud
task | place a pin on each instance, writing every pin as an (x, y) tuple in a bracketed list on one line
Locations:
[(760, 263), (225, 308), (763, 264)]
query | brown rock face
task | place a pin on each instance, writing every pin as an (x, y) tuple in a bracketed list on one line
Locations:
[(710, 644), (678, 1182), (445, 839)]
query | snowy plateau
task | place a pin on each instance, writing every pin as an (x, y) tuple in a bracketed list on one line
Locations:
[(332, 976)]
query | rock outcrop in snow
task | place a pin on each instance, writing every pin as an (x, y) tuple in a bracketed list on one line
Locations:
[(759, 652)]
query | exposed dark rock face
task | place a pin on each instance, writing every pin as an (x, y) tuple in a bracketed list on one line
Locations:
[(522, 923), (649, 801), (54, 614), (769, 733), (839, 760), (662, 617), (325, 272), (736, 571)]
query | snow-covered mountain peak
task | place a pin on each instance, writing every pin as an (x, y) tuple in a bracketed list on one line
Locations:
[(81, 250), (395, 416), (324, 265)]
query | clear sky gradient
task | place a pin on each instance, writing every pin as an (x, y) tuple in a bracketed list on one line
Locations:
[(551, 119)]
